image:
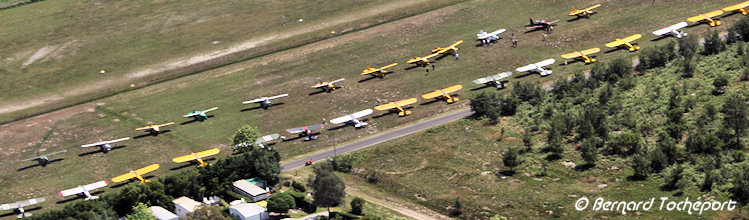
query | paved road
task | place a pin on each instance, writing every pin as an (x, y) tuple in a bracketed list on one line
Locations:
[(389, 135)]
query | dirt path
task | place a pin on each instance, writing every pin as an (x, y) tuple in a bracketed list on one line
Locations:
[(407, 209), (325, 24)]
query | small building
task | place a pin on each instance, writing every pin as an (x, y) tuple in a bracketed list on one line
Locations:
[(248, 211), (184, 205), (162, 213), (252, 191)]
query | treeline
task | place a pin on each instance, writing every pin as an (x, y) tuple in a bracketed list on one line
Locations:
[(215, 179), (656, 115)]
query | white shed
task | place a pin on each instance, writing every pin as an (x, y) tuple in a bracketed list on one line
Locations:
[(250, 190), (162, 213), (248, 211), (184, 205)]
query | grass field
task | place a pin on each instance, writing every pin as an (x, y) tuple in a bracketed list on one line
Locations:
[(462, 158), (294, 70)]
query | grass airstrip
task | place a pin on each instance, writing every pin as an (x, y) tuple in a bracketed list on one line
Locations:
[(291, 71)]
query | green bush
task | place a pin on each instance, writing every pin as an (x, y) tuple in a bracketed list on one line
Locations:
[(357, 206), (299, 187), (281, 202)]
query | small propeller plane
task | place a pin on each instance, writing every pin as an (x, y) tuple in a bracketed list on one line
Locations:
[(44, 159), (105, 146), (444, 94), (197, 156), (672, 30), (381, 72), (328, 86), (708, 17), (154, 129), (582, 55), (584, 13), (137, 174), (626, 42), (422, 61), (306, 131), (20, 204), (537, 67), (265, 101), (398, 106), (353, 118), (199, 115), (452, 49), (738, 7), (487, 38), (493, 80), (259, 141), (541, 24), (84, 190)]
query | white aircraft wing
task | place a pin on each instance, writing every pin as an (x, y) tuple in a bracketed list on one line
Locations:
[(81, 189), (351, 116), (18, 204), (498, 32), (545, 63), (278, 96), (295, 130), (526, 68), (667, 30), (105, 142), (255, 100)]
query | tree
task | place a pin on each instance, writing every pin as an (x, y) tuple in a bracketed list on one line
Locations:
[(720, 82), (671, 180), (702, 141), (140, 212), (740, 188), (151, 193), (510, 159), (658, 160), (244, 138), (357, 206), (713, 43), (267, 164), (589, 150), (687, 68), (735, 117), (486, 105), (528, 140), (528, 92), (281, 203), (688, 46), (641, 167), (508, 105), (626, 142), (741, 28), (328, 188), (213, 212)]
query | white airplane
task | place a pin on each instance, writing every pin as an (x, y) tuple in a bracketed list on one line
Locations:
[(44, 159), (105, 146), (487, 38), (20, 204), (265, 101), (672, 30), (83, 190), (352, 118), (537, 67), (494, 80), (259, 141)]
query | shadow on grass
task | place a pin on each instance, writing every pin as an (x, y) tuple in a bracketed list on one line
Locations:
[(196, 120), (42, 164), (259, 107), (152, 134)]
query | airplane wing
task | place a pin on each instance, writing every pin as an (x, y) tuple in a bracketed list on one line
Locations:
[(737, 6), (140, 171), (670, 28), (407, 101), (118, 140), (618, 42), (385, 106), (190, 157), (295, 130), (388, 66), (545, 63), (18, 204), (210, 109), (572, 55), (498, 32), (77, 190), (492, 78), (590, 51), (592, 7), (255, 100), (278, 96), (346, 118), (265, 138), (456, 43), (315, 127), (368, 70), (337, 80), (319, 85), (139, 129), (362, 113), (575, 12), (482, 36), (439, 93), (46, 155), (453, 88), (705, 16), (526, 68), (94, 144), (191, 114)]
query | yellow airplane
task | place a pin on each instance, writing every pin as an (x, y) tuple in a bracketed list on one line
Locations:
[(707, 17), (422, 61), (136, 174), (583, 55), (378, 71), (738, 7), (626, 42), (586, 13), (197, 156), (153, 129), (397, 105), (444, 93), (452, 49), (328, 86)]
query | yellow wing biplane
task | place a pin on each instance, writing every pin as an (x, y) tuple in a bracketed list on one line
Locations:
[(708, 17), (626, 42), (381, 72), (582, 55), (584, 13), (197, 156), (452, 49), (738, 7), (328, 86), (398, 106), (422, 61), (136, 174), (154, 129), (444, 94)]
